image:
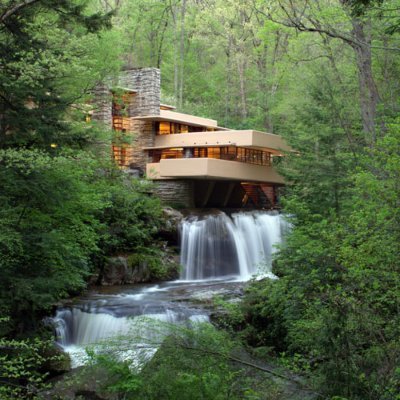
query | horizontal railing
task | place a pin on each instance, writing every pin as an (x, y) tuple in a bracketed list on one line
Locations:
[(229, 153)]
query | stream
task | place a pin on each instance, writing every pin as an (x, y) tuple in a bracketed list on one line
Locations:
[(219, 253)]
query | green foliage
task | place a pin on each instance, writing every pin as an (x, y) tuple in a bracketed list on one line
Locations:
[(263, 312), (152, 262), (52, 55), (335, 306), (334, 310), (21, 367), (57, 215), (231, 318), (191, 363), (62, 207), (49, 222), (131, 217)]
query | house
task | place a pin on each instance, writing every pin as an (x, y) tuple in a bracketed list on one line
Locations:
[(193, 161)]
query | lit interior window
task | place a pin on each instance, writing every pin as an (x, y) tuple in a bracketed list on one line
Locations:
[(164, 128)]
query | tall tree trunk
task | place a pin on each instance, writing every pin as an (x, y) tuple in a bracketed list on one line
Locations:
[(228, 97), (241, 66), (369, 96), (176, 66), (261, 63), (182, 54), (161, 43)]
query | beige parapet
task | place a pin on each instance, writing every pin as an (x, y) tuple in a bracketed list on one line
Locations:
[(173, 116), (209, 168), (243, 138)]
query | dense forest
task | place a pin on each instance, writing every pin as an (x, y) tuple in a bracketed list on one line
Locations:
[(324, 74)]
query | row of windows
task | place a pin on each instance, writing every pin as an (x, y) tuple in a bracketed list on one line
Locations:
[(122, 155), (171, 128), (122, 124), (231, 153)]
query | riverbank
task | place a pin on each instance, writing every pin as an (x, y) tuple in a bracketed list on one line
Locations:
[(183, 313)]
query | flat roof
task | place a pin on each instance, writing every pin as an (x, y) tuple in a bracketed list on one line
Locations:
[(187, 119), (241, 138), (167, 106), (188, 145), (124, 89)]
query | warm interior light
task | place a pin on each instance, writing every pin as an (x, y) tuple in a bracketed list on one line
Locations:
[(53, 145)]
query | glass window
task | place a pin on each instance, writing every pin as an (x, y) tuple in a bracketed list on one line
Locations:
[(164, 128)]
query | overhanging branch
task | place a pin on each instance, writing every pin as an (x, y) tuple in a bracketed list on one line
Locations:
[(17, 7)]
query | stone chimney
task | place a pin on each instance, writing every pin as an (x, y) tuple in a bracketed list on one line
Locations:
[(102, 99), (146, 83)]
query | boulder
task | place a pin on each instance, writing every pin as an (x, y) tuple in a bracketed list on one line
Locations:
[(115, 271), (170, 230), (137, 268), (57, 362)]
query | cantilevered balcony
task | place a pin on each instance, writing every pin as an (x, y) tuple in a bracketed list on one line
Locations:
[(173, 116), (240, 138), (212, 169)]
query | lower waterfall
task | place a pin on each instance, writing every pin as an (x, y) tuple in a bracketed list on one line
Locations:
[(133, 322), (216, 250), (241, 245)]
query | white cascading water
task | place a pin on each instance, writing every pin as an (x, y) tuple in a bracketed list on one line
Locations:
[(242, 245), (130, 324), (212, 246)]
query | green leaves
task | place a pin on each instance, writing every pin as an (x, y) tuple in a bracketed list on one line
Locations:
[(57, 216), (20, 364), (49, 62), (192, 363), (336, 303)]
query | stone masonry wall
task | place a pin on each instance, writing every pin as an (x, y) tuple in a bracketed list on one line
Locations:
[(146, 101), (143, 136), (102, 111), (176, 193), (146, 81)]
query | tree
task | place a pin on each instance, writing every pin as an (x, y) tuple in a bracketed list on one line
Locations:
[(338, 21), (61, 198), (48, 63), (336, 302)]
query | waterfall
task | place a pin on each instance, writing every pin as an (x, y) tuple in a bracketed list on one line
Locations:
[(135, 321), (132, 325), (240, 245)]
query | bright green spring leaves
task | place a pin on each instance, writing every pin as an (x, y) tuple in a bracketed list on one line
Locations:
[(337, 301), (22, 363), (192, 363), (57, 216), (48, 227)]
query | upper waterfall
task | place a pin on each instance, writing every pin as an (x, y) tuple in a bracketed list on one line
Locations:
[(240, 245)]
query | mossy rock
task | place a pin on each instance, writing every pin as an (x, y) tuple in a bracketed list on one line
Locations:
[(58, 362)]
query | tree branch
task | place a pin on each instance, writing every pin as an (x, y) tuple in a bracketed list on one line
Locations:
[(13, 10)]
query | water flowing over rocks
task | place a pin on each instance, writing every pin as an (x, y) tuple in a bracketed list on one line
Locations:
[(240, 244), (219, 254)]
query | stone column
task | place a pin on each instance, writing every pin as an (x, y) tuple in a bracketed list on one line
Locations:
[(176, 193), (102, 111), (146, 101), (146, 83)]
